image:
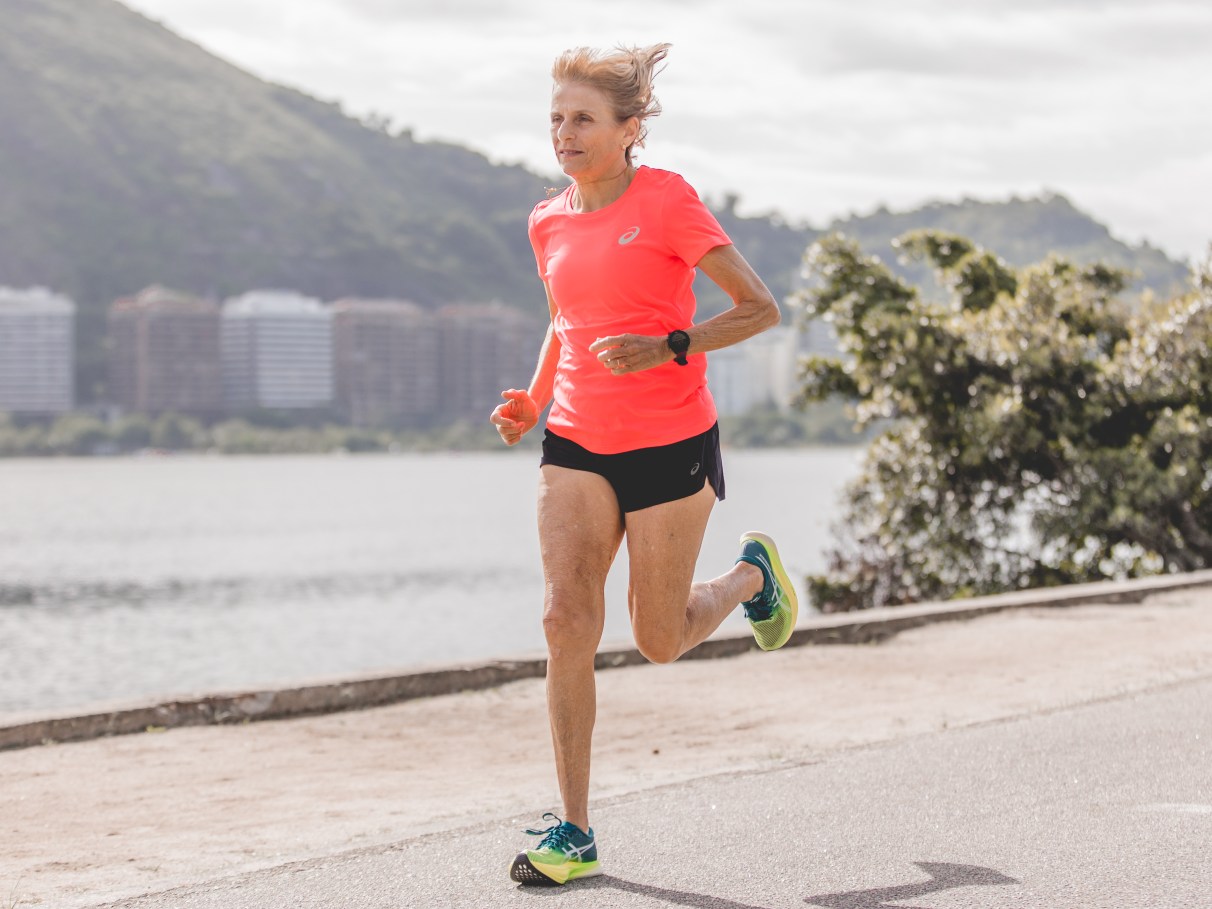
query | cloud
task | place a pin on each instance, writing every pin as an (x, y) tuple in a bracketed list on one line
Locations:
[(812, 107), (981, 40), (407, 12)]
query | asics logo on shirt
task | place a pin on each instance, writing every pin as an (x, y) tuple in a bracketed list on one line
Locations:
[(629, 236)]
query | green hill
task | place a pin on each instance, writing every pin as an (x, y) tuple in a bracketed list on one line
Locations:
[(1021, 231), (130, 156)]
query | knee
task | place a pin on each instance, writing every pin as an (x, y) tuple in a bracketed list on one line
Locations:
[(570, 626), (657, 646)]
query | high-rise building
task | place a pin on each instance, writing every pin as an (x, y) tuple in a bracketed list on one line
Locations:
[(760, 372), (37, 351), (165, 353), (486, 347), (385, 356), (276, 352)]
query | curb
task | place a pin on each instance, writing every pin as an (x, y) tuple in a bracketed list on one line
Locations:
[(867, 626)]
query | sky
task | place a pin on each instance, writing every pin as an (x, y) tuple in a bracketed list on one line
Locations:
[(815, 109)]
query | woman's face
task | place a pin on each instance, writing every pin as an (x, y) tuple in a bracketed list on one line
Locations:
[(589, 142)]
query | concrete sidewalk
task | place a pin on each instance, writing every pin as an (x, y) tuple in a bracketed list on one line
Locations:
[(1102, 804), (88, 823)]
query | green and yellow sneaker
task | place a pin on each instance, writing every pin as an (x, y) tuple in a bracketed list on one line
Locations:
[(773, 611), (564, 853)]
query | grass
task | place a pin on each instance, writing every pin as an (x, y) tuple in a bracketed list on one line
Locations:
[(13, 899)]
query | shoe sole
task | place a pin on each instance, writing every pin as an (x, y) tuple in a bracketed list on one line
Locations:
[(780, 575), (523, 871)]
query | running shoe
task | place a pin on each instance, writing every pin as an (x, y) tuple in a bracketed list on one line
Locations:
[(773, 611), (564, 853)]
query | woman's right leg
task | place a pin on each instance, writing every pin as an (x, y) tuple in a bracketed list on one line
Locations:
[(580, 529)]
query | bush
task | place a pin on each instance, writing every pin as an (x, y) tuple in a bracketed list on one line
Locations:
[(77, 434), (173, 432), (1042, 433)]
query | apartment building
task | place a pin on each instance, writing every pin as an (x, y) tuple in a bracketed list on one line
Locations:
[(385, 363), (276, 351), (164, 353), (486, 347), (761, 372), (37, 351)]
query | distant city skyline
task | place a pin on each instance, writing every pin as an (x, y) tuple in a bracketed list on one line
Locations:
[(814, 109), (374, 363)]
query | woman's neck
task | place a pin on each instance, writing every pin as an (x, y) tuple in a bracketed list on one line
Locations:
[(591, 195)]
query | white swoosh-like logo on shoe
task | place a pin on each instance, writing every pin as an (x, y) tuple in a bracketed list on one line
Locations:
[(776, 587), (577, 851)]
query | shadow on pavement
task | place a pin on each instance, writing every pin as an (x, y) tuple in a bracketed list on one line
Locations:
[(671, 897), (943, 876)]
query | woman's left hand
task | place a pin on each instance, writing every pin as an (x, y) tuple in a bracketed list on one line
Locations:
[(631, 353)]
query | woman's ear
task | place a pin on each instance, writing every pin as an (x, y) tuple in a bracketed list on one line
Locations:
[(632, 132)]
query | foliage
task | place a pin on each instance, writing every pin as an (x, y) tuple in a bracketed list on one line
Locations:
[(76, 434), (173, 432), (80, 434), (1043, 433)]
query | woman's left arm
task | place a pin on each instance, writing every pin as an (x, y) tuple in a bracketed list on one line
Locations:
[(753, 306), (753, 311)]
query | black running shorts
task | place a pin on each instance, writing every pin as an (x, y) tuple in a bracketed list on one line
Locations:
[(647, 476)]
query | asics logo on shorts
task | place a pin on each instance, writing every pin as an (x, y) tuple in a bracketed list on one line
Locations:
[(629, 236), (695, 469)]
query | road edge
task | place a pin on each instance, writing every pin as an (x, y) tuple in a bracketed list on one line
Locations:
[(357, 693)]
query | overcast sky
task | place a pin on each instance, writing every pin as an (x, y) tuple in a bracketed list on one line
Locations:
[(814, 108)]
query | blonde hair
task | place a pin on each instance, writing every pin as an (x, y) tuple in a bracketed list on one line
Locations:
[(624, 75)]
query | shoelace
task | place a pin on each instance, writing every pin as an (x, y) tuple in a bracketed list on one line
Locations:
[(555, 836)]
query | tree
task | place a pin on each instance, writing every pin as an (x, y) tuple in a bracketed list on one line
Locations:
[(1042, 432), (174, 432), (76, 434), (132, 432)]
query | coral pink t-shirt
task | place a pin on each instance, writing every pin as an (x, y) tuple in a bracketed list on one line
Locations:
[(626, 268)]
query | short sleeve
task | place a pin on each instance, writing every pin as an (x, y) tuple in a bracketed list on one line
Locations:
[(691, 229), (535, 243)]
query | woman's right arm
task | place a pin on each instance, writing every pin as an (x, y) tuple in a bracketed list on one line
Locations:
[(521, 409)]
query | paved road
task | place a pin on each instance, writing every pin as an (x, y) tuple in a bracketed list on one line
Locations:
[(1103, 805)]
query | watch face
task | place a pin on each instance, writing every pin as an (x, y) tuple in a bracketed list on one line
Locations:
[(679, 342)]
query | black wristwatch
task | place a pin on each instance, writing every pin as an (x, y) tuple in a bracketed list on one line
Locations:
[(679, 343)]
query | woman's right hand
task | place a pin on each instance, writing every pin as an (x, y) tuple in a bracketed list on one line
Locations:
[(517, 416)]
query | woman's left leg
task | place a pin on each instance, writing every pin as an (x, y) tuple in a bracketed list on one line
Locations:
[(670, 613)]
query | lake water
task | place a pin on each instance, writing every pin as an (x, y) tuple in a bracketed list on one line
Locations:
[(138, 578)]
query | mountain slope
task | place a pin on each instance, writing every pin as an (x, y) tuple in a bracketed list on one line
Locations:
[(129, 153), (1021, 231)]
